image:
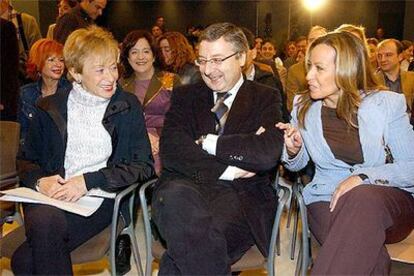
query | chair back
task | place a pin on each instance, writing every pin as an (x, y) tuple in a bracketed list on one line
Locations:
[(9, 145)]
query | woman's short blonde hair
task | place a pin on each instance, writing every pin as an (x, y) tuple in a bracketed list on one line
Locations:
[(353, 75), (89, 42)]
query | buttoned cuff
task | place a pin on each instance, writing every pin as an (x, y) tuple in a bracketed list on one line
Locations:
[(210, 144), (229, 173)]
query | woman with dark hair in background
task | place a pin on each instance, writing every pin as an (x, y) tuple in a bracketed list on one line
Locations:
[(152, 86), (177, 56), (46, 67)]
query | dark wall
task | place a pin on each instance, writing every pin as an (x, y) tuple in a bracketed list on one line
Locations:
[(391, 18), (284, 18), (123, 16)]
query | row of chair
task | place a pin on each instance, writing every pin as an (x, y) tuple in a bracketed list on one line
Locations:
[(104, 243)]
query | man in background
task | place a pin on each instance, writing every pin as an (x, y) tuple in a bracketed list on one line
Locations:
[(389, 55), (81, 16)]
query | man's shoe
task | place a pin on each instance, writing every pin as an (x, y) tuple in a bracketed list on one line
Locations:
[(123, 255)]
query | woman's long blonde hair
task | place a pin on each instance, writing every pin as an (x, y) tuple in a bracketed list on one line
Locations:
[(353, 76)]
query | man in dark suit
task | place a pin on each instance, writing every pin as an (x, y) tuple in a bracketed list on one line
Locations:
[(214, 199), (79, 17)]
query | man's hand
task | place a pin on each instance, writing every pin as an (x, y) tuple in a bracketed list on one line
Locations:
[(49, 185), (72, 190), (292, 137), (240, 173), (344, 187)]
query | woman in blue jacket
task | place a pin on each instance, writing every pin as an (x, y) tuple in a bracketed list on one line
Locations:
[(46, 67), (360, 139), (88, 135)]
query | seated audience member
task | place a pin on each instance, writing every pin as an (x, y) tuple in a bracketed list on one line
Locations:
[(81, 16), (258, 42), (290, 54), (152, 86), (346, 123), (156, 32), (262, 73), (407, 54), (177, 56), (46, 67), (214, 197), (389, 55), (64, 7), (9, 65), (372, 51), (380, 34), (269, 56), (296, 81), (89, 135), (301, 44), (160, 22)]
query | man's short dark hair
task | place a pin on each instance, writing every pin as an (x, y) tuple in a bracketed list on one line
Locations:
[(230, 32)]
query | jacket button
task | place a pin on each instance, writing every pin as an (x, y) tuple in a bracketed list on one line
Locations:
[(351, 170)]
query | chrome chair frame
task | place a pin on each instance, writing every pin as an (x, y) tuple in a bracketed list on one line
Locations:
[(269, 265)]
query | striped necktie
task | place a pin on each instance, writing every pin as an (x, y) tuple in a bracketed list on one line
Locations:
[(220, 111)]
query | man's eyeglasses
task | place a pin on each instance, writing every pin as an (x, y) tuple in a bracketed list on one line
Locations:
[(215, 61)]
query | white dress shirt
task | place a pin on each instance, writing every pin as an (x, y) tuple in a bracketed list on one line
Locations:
[(210, 142)]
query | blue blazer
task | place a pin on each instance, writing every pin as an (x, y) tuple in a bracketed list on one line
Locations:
[(382, 120)]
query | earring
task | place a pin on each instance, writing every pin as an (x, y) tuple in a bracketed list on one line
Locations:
[(78, 81)]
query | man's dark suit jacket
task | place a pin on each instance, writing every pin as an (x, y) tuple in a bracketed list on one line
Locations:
[(77, 18), (269, 79), (190, 117)]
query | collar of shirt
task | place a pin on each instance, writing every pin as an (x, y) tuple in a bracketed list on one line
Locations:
[(251, 75), (233, 92), (398, 78)]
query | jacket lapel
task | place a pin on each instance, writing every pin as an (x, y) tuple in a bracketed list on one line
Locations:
[(240, 109), (202, 110), (58, 110), (371, 131), (153, 88)]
